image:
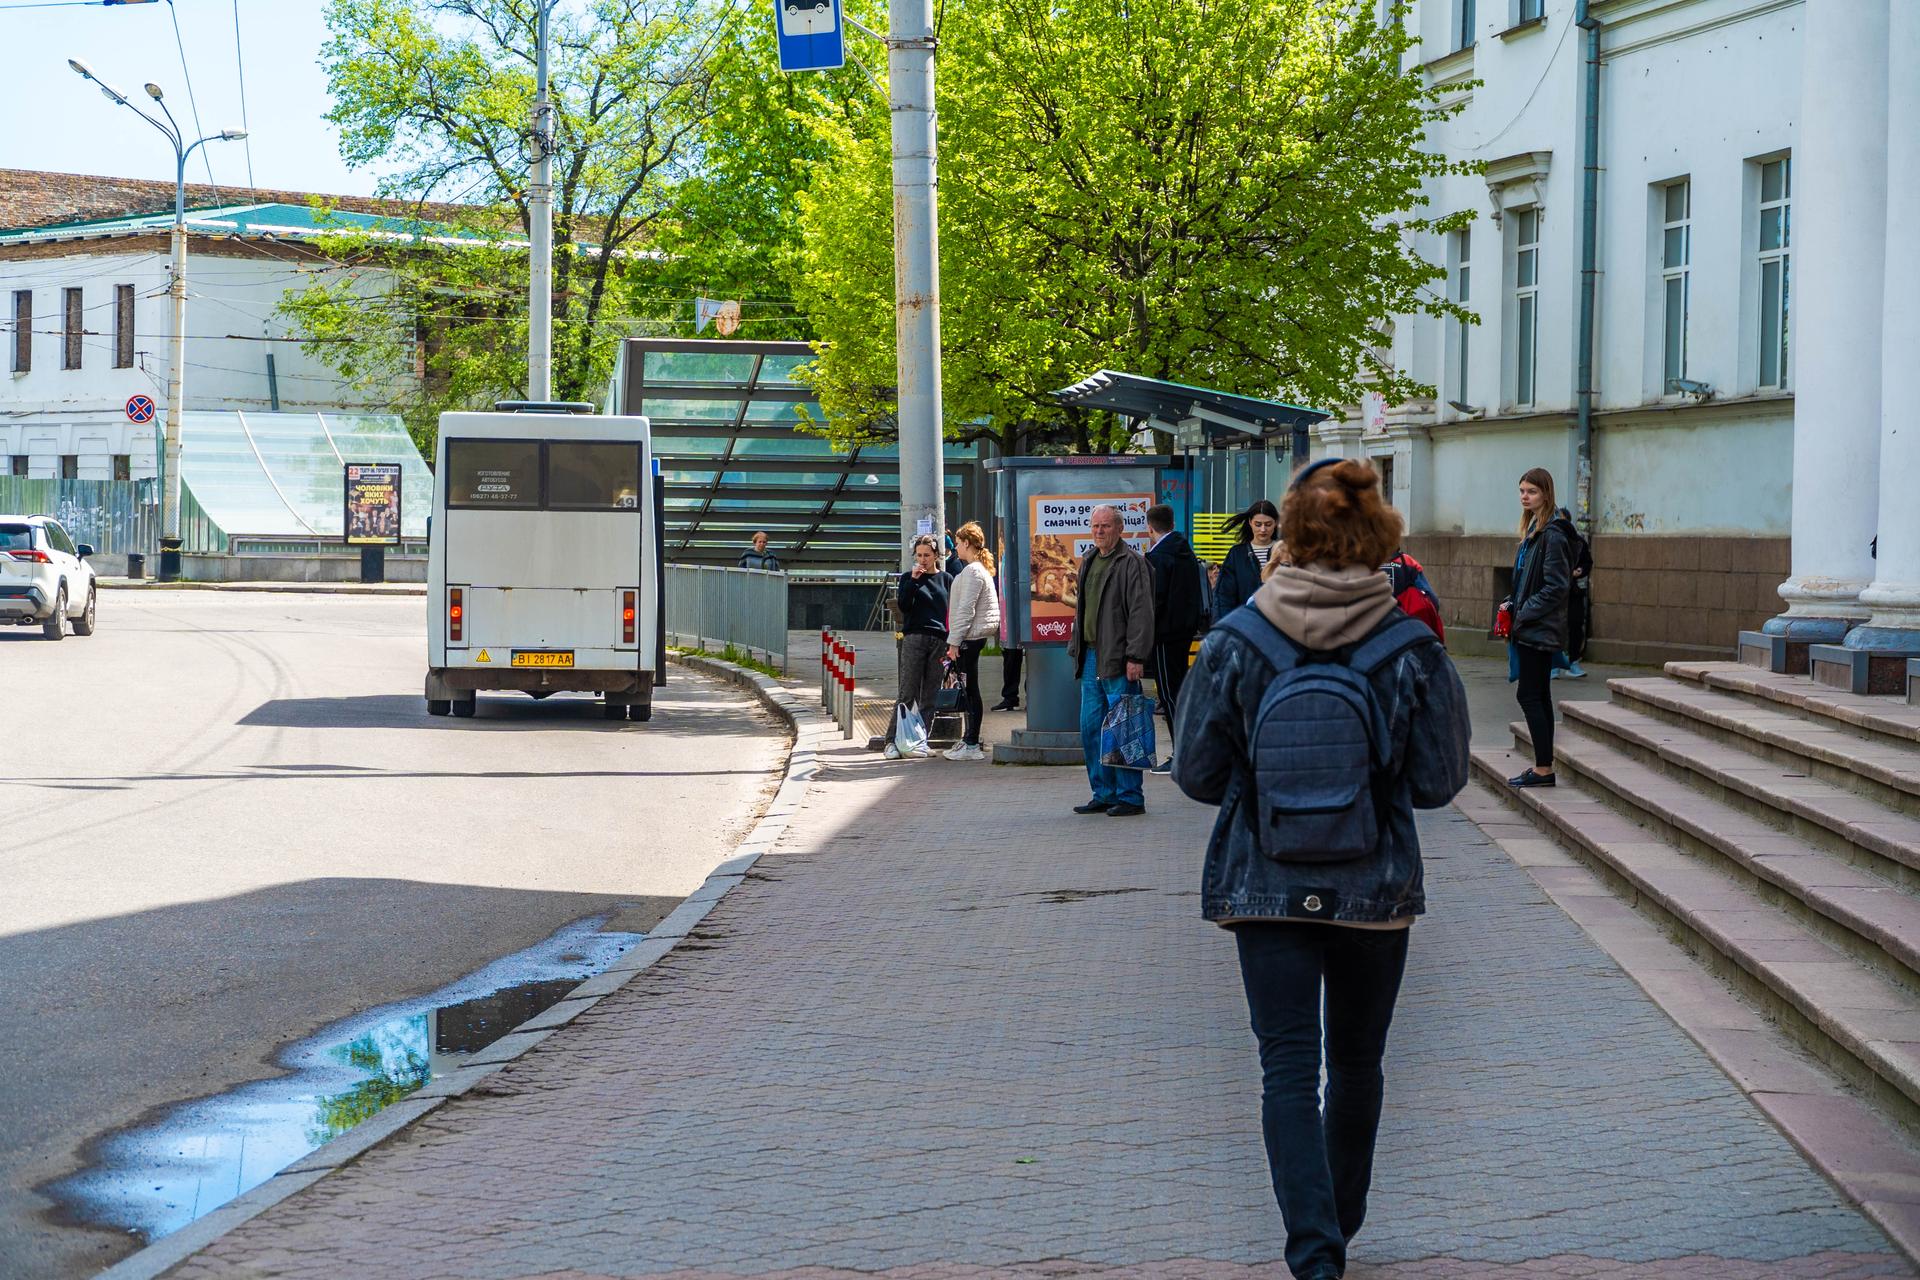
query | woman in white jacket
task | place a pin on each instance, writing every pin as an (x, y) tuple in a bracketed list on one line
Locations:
[(973, 618)]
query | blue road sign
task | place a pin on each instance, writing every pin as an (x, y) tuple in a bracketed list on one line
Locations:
[(813, 34), (140, 408)]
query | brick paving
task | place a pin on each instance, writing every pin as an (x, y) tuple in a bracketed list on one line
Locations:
[(951, 1031)]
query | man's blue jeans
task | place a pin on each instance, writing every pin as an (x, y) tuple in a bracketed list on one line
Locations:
[(1110, 785)]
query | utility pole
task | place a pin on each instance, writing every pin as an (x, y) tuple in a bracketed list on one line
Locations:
[(916, 272), (540, 214), (170, 541)]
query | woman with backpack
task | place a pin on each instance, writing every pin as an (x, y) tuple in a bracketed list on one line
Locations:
[(1240, 571), (1319, 720), (923, 645), (972, 620), (1542, 592)]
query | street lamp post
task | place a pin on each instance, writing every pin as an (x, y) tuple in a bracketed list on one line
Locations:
[(177, 364), (540, 216)]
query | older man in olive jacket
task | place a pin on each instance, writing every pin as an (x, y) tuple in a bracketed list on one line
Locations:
[(1111, 643)]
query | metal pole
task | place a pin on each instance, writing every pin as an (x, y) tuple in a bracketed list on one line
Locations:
[(1589, 272), (916, 272), (176, 381), (540, 213)]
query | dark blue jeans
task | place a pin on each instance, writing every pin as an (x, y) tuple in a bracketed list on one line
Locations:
[(1321, 1161), (1097, 696)]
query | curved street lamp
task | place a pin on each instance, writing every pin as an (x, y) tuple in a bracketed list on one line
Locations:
[(176, 374)]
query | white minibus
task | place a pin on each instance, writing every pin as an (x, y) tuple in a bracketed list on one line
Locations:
[(544, 559)]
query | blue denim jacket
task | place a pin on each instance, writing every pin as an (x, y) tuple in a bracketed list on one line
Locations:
[(1427, 709)]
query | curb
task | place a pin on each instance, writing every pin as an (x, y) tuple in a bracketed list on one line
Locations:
[(271, 588), (810, 729)]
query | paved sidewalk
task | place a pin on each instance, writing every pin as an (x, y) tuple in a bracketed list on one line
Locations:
[(951, 1031)]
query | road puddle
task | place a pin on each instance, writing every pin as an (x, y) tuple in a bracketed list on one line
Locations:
[(156, 1178)]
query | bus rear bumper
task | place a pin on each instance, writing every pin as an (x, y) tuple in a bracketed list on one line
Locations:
[(445, 683)]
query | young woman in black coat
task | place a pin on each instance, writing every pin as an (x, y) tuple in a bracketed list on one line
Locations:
[(1239, 575), (1542, 593)]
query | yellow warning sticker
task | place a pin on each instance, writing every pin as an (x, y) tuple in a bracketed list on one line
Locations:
[(483, 656)]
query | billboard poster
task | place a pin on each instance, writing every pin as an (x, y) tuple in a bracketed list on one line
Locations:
[(1059, 532), (373, 504)]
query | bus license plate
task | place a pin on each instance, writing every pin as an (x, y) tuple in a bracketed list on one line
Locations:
[(542, 658)]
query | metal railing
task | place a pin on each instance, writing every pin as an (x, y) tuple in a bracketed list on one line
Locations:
[(116, 517), (712, 608)]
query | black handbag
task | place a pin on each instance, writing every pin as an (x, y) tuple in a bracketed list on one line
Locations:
[(951, 695)]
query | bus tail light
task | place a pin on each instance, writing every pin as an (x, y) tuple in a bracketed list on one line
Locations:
[(456, 615), (629, 615)]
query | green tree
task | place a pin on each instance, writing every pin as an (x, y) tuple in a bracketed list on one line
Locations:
[(441, 91), (1212, 191)]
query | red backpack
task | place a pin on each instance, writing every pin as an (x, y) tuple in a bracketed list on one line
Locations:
[(1413, 593)]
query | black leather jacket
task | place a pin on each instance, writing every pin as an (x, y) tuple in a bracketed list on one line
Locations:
[(1239, 579), (1542, 593), (1426, 707)]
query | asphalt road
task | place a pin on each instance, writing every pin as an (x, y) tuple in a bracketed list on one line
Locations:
[(226, 820)]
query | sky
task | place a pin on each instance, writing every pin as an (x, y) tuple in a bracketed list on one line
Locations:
[(80, 131)]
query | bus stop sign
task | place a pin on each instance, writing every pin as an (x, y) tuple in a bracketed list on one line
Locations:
[(813, 34)]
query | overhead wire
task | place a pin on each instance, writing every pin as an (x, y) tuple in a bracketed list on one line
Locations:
[(240, 65), (199, 130)]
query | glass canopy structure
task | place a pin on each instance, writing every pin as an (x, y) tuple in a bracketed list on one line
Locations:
[(726, 418), (280, 478)]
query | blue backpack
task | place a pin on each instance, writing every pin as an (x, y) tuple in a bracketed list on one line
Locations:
[(1319, 751)]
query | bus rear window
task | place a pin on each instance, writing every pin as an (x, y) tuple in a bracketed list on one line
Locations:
[(499, 474), (593, 477)]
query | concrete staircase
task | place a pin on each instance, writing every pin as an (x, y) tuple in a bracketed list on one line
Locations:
[(1770, 826)]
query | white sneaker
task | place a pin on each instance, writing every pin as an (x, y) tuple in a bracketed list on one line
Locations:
[(891, 753), (965, 752)]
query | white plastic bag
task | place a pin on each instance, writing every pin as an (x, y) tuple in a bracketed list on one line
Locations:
[(910, 731)]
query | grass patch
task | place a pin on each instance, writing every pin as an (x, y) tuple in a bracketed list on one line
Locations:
[(740, 658)]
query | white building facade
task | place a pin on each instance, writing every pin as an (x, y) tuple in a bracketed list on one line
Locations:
[(86, 322), (1744, 267)]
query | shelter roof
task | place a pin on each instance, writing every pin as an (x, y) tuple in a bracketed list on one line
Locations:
[(1169, 405)]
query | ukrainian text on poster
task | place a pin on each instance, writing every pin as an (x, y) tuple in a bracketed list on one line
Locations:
[(1060, 532)]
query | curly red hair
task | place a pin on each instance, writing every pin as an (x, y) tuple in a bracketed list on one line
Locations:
[(1335, 516)]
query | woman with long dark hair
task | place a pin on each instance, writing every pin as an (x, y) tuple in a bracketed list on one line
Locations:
[(923, 646), (1239, 576), (1542, 588), (1322, 939)]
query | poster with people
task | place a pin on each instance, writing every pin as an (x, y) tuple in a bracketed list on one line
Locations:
[(1059, 532), (373, 504)]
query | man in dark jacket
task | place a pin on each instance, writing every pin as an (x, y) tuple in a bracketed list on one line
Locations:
[(1111, 644), (1178, 585)]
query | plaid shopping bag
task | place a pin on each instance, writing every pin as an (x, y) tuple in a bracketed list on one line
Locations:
[(1126, 735)]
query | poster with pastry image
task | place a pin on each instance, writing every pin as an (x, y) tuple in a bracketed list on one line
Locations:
[(1059, 533)]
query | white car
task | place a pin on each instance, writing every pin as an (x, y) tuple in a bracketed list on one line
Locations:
[(45, 580)]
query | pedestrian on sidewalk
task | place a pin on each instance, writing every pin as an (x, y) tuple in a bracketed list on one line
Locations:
[(759, 557), (923, 596), (1240, 571), (1011, 660), (973, 618), (1111, 644), (1579, 606), (1179, 593), (1542, 594), (1307, 926)]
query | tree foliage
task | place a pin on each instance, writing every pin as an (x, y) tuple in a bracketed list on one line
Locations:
[(1219, 192)]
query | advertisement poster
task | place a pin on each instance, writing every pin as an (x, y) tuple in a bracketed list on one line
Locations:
[(373, 504), (1060, 531)]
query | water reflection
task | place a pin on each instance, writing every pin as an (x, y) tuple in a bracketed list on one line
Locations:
[(157, 1178)]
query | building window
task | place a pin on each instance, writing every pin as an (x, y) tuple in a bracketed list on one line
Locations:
[(1776, 239), (1526, 303), (122, 466), (19, 464), (1463, 24), (1676, 257), (73, 324), (1529, 11), (22, 330), (123, 326), (1462, 294), (69, 466)]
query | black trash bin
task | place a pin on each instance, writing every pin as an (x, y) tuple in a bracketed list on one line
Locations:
[(136, 565)]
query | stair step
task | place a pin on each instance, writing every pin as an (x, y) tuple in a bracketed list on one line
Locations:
[(1870, 715), (1880, 831), (1851, 897), (1870, 1026), (1892, 765)]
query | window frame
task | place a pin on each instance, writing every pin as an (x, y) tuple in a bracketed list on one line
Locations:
[(123, 326), (1463, 294), (540, 480), (1674, 337), (1526, 308), (73, 325), (1778, 259), (1465, 24), (22, 331), (546, 474)]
